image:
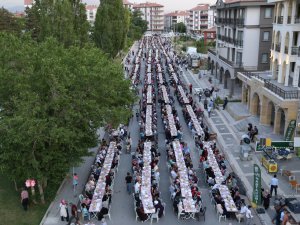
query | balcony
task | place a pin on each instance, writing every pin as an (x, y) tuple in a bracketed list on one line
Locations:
[(289, 19), (238, 43), (280, 20), (295, 51), (277, 47), (212, 51), (286, 50), (297, 20), (285, 92)]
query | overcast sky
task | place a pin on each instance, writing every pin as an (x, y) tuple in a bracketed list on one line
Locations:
[(170, 5)]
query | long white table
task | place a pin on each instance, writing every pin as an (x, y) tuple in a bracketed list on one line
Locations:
[(146, 195), (171, 121), (165, 94), (175, 78), (188, 202), (99, 192), (196, 123), (149, 78), (183, 95), (149, 94), (148, 125), (219, 178), (160, 78)]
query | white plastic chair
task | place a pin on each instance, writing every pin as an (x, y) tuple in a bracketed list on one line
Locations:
[(108, 213), (220, 215), (180, 211), (155, 216)]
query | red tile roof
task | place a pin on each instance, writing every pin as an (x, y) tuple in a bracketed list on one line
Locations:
[(178, 13), (28, 2), (212, 29), (147, 5), (91, 7), (234, 1), (200, 7), (126, 2)]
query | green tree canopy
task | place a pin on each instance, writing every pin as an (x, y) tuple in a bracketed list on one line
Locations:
[(64, 20), (179, 27), (138, 26), (111, 26), (53, 100), (9, 23)]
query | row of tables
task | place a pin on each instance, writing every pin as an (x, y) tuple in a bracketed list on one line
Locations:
[(96, 203), (195, 121), (183, 95), (149, 94), (146, 195), (172, 126), (187, 201), (219, 178)]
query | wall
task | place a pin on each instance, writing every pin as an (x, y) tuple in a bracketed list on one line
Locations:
[(250, 48)]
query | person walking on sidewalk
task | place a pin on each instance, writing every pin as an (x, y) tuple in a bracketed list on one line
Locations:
[(274, 185), (75, 182), (191, 88), (24, 199), (128, 180), (248, 215), (63, 210), (225, 103)]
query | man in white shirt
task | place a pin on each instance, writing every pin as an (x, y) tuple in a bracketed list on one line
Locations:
[(137, 187), (242, 212), (173, 174), (274, 185), (248, 215)]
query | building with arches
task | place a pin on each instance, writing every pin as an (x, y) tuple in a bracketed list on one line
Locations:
[(244, 31), (274, 95)]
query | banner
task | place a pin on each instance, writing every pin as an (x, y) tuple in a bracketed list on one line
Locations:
[(274, 144), (290, 130), (256, 197)]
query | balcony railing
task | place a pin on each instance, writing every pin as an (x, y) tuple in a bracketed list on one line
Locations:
[(294, 51), (280, 20), (282, 93), (212, 51), (277, 47), (290, 94), (238, 43)]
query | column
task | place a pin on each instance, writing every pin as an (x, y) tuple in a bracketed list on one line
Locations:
[(248, 96), (244, 89), (296, 76), (279, 79), (253, 105), (221, 76), (287, 74), (231, 91), (293, 11), (263, 119), (277, 119)]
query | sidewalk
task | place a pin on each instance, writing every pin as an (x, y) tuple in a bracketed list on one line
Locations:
[(65, 191)]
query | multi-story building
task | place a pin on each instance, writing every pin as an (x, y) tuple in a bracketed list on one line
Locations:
[(274, 94), (91, 11), (176, 17), (128, 5), (201, 18), (28, 3), (153, 13), (244, 30)]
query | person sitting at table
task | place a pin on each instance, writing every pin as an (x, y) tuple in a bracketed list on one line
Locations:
[(159, 206), (236, 197), (204, 155), (218, 199), (211, 181), (108, 180), (137, 187), (209, 173), (104, 209), (142, 215), (173, 174)]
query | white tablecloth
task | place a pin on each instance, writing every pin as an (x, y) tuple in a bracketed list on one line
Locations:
[(99, 192), (149, 94), (183, 95), (171, 121), (196, 123), (188, 202), (165, 94), (146, 195), (148, 124)]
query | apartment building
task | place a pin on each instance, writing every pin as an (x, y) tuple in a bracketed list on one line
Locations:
[(201, 18), (244, 31), (91, 11), (128, 5), (153, 13), (273, 95), (176, 17)]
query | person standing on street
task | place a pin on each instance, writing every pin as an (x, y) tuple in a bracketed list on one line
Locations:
[(200, 96), (191, 88), (24, 199), (225, 103), (75, 182), (63, 210), (248, 215), (274, 185), (128, 180)]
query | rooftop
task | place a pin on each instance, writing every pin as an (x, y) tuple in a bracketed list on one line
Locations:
[(178, 13), (147, 5), (91, 7), (212, 29), (126, 2), (28, 2), (200, 7)]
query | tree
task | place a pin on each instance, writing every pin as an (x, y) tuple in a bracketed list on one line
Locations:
[(179, 27), (9, 23), (138, 26), (53, 100), (111, 26), (63, 19)]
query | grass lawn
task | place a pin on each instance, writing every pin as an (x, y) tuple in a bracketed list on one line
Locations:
[(11, 211)]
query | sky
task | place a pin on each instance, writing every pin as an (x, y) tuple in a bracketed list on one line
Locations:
[(170, 5)]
